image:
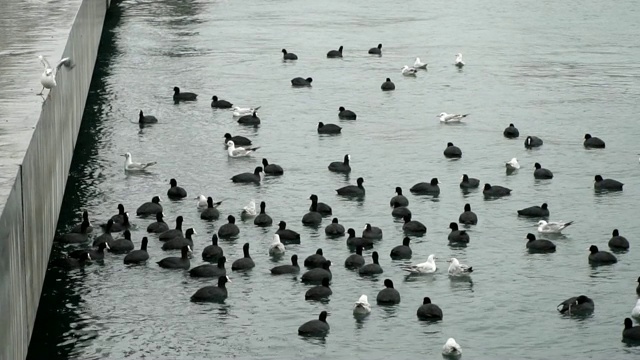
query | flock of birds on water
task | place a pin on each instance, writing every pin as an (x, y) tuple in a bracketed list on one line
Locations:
[(318, 271)]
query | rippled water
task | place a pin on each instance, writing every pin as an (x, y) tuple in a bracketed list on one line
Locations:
[(556, 70)]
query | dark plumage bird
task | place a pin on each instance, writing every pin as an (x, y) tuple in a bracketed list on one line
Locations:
[(402, 252), (314, 261), (248, 178), (456, 235), (219, 103), (294, 268), (413, 227), (353, 241), (532, 141), (237, 140), (211, 212), (400, 211), (212, 293), (542, 173), (322, 208), (355, 261), (388, 295), (371, 232), (150, 208), (229, 229), (352, 190), (173, 233), (334, 229), (607, 184), (95, 254), (535, 211), (106, 237), (315, 328), (271, 169), (176, 192), (468, 217), (591, 142), (319, 292), (174, 262), (178, 242), (119, 217), (75, 238), (495, 191), (452, 151), (69, 263), (539, 245), (78, 227), (335, 53), (328, 128), (122, 246), (262, 219), (313, 217), (244, 263), (341, 166), (212, 252), (399, 199), (376, 50), (630, 332), (577, 305), (183, 96), (618, 242), (301, 82), (638, 287), (469, 183), (373, 268), (138, 256), (159, 226), (423, 188), (118, 227), (511, 132), (429, 311), (344, 114), (600, 257), (251, 119), (314, 276), (288, 56), (287, 236), (210, 271), (388, 85), (146, 119)]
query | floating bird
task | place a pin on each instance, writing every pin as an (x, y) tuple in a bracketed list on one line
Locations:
[(146, 119), (456, 235), (535, 211), (429, 311), (341, 166), (451, 349), (532, 141), (240, 112), (249, 211), (451, 118), (362, 306), (402, 251), (271, 169), (457, 269), (419, 64), (468, 183), (335, 53), (237, 140), (389, 295), (344, 114), (250, 119), (597, 257), (276, 248), (399, 199), (592, 142), (315, 328), (511, 132), (219, 103), (495, 191), (320, 292), (468, 217), (353, 190), (388, 85), (635, 312), (459, 63), (328, 128), (235, 152), (288, 56), (150, 208), (552, 227), (294, 268), (212, 293), (409, 71), (183, 96), (131, 166), (542, 173), (427, 267), (175, 191), (578, 305), (452, 151), (48, 77), (618, 242), (607, 184), (630, 332), (247, 177), (376, 50), (539, 245), (301, 82), (512, 164)]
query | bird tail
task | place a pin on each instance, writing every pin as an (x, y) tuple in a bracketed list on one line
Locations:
[(470, 269), (257, 108), (150, 164), (254, 148), (569, 223), (465, 115)]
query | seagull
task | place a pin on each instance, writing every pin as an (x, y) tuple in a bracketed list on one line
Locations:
[(552, 227), (635, 312), (419, 64), (48, 77), (362, 307), (240, 112), (457, 269), (459, 63), (201, 204), (451, 118), (427, 267), (234, 151), (512, 164), (276, 248), (250, 210), (409, 71), (451, 349), (129, 165)]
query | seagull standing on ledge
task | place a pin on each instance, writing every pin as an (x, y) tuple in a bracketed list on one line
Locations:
[(129, 165), (48, 77)]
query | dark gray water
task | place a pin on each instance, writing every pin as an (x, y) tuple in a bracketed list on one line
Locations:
[(555, 70)]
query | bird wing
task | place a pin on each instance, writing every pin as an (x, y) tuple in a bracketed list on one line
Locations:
[(44, 62), (149, 164), (66, 62), (239, 152)]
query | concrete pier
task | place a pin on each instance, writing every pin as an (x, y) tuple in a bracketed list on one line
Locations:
[(37, 140)]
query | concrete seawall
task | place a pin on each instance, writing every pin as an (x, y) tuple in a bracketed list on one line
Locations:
[(35, 157)]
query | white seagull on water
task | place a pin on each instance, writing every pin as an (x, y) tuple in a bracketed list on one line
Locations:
[(362, 306), (240, 112), (48, 77), (201, 202), (129, 165), (451, 118), (419, 64), (277, 247), (457, 269), (409, 71), (234, 151), (512, 164), (427, 267), (451, 349), (249, 211), (552, 227), (459, 63)]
